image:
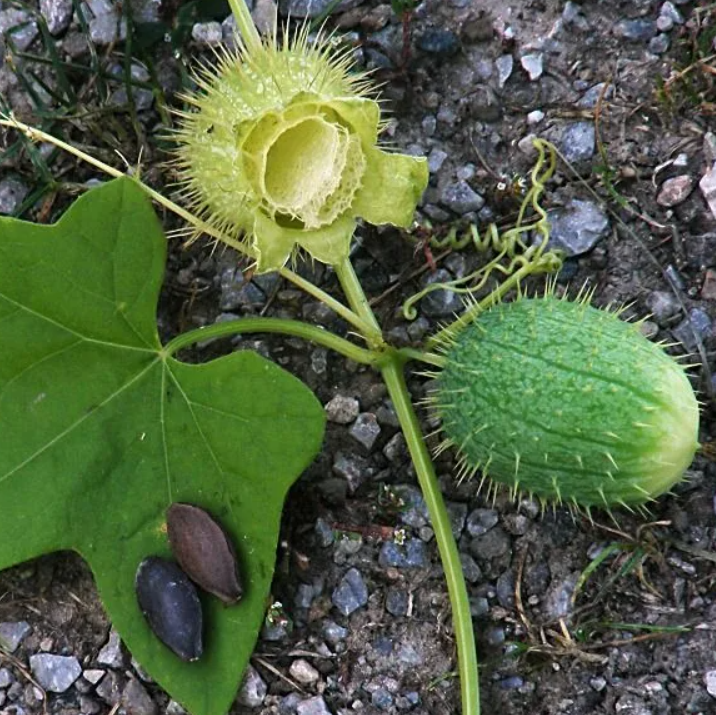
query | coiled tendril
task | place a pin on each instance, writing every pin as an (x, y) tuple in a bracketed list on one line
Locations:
[(510, 245)]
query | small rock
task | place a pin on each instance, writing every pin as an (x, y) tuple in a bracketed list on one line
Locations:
[(333, 633), (397, 601), (698, 322), (110, 688), (394, 449), (57, 14), (342, 409), (710, 681), (439, 42), (598, 684), (19, 25), (352, 468), (253, 689), (675, 191), (460, 198), (480, 521), (55, 673), (533, 65), (313, 706), (93, 675), (366, 430), (436, 159), (707, 184), (303, 672), (209, 34), (663, 305), (381, 698), (111, 653), (514, 682), (590, 98), (535, 117), (708, 289), (457, 513), (12, 194), (351, 593), (639, 30), (659, 44), (578, 141), (504, 65), (411, 555), (558, 599), (441, 302), (314, 8), (470, 569), (106, 26), (136, 700), (324, 532), (6, 678), (668, 9), (12, 633), (664, 23), (578, 227)]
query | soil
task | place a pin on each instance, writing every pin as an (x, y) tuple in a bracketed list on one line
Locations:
[(638, 636)]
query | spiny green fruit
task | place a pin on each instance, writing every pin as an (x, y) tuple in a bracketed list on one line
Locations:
[(566, 402)]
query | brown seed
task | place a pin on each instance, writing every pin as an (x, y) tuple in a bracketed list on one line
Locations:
[(204, 551)]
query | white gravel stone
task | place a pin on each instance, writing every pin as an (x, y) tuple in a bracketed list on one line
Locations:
[(55, 673)]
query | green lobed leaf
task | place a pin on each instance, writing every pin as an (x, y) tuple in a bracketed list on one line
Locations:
[(100, 430)]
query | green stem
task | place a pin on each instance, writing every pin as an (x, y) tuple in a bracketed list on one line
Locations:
[(37, 135), (249, 34), (391, 369), (274, 325), (356, 298)]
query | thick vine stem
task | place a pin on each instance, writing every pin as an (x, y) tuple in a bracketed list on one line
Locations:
[(249, 34), (308, 332), (391, 370)]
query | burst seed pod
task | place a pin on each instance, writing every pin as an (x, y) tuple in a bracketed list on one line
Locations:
[(566, 402), (282, 150), (204, 551), (169, 602)]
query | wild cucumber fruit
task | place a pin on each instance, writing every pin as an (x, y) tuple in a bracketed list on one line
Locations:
[(170, 603), (568, 403)]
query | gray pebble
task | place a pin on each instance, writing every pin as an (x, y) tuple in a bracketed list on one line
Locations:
[(342, 409), (333, 633), (106, 26), (57, 14), (12, 194), (558, 600), (668, 9), (19, 25), (410, 555), (442, 302), (460, 198), (578, 141), (436, 41), (397, 601), (664, 23), (415, 511), (209, 34), (505, 589), (110, 688), (351, 593), (457, 511), (93, 675), (313, 706), (480, 521), (394, 449), (111, 653), (436, 159), (381, 699), (710, 682), (470, 569), (303, 672), (675, 190), (136, 700), (590, 98), (55, 673), (699, 322), (304, 596), (324, 532), (408, 700), (314, 8), (288, 705), (12, 633), (366, 429), (663, 305), (533, 65), (6, 678), (659, 44), (492, 545), (578, 227), (514, 682), (639, 30), (144, 11), (253, 689), (429, 125), (495, 635), (504, 65), (598, 684), (352, 468), (142, 98)]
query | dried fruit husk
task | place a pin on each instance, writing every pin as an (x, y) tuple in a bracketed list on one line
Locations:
[(204, 551), (170, 603)]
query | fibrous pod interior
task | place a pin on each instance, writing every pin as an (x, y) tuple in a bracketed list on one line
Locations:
[(169, 602), (568, 403)]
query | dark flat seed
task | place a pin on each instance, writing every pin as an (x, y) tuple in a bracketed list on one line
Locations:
[(169, 602), (204, 551)]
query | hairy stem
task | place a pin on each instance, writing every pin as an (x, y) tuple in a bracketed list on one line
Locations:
[(37, 135), (274, 325), (392, 372)]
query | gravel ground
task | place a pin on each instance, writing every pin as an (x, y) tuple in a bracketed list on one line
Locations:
[(362, 623)]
